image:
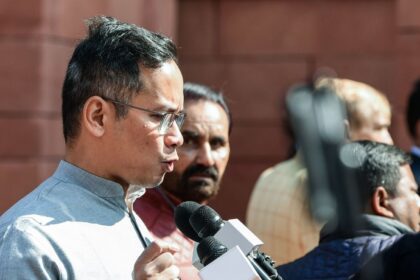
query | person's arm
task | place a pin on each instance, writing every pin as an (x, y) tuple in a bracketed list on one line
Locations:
[(27, 254), (156, 262)]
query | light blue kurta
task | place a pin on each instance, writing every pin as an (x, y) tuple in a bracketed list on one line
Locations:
[(75, 225)]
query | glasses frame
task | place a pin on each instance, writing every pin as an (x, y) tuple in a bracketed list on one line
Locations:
[(167, 118)]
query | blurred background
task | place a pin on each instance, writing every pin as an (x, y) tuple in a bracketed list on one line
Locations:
[(253, 50)]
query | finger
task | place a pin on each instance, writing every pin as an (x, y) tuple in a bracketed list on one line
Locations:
[(167, 247), (155, 249), (171, 272), (150, 253), (159, 264)]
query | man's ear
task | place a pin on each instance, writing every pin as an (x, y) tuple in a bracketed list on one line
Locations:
[(95, 112), (380, 203)]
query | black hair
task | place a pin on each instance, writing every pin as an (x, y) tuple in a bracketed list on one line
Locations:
[(378, 164), (413, 109), (108, 63), (194, 91)]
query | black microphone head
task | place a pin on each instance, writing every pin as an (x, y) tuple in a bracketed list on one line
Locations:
[(210, 249), (205, 221), (182, 216)]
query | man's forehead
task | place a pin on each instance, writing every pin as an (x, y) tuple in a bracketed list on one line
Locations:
[(204, 112), (406, 171), (203, 125), (407, 175), (204, 119), (172, 102), (163, 86), (205, 116), (382, 118), (371, 117)]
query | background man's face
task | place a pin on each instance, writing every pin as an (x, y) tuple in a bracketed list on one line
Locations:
[(373, 126), (406, 203), (204, 154)]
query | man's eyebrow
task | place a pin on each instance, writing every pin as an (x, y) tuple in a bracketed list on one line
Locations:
[(190, 133), (219, 138), (166, 109)]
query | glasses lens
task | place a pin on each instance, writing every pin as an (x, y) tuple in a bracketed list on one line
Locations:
[(180, 120), (166, 123)]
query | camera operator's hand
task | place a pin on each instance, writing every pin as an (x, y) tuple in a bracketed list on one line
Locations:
[(156, 263)]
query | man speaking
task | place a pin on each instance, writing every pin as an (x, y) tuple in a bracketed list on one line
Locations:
[(197, 174), (122, 109)]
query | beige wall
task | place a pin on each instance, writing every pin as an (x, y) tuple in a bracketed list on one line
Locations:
[(253, 49)]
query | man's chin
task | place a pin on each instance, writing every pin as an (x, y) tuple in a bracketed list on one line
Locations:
[(153, 183), (202, 192), (200, 181), (160, 180)]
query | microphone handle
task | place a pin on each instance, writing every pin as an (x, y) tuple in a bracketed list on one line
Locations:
[(266, 264), (259, 270)]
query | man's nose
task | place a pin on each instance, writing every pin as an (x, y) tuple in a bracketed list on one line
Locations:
[(205, 155), (173, 137)]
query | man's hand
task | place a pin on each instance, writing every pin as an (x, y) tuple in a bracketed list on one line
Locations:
[(156, 263)]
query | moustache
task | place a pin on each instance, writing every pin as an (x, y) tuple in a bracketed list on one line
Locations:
[(202, 170)]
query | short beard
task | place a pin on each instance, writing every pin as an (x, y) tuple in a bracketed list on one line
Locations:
[(199, 191), (195, 190)]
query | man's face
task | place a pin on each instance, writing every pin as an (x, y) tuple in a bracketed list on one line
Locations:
[(204, 155), (405, 205), (138, 153), (374, 127)]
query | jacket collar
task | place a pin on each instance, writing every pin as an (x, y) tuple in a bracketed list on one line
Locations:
[(370, 225)]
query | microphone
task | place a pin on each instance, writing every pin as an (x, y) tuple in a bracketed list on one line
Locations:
[(210, 249), (223, 264), (206, 222), (182, 215)]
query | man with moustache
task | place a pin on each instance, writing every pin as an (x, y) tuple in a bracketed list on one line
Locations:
[(196, 176)]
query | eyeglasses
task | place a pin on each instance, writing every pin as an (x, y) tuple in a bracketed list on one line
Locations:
[(166, 118)]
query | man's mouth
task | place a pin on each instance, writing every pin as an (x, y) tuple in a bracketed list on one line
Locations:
[(202, 176), (168, 165)]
